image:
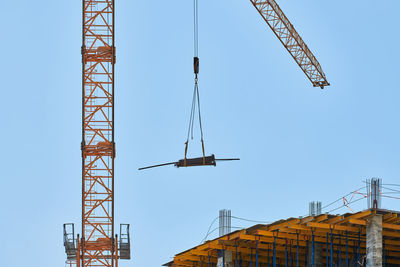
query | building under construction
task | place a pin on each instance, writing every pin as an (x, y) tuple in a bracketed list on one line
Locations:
[(367, 238)]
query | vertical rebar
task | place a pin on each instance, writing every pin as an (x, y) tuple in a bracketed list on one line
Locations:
[(315, 208), (225, 218), (374, 193), (229, 222)]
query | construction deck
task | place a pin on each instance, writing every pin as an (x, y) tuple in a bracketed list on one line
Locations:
[(339, 240)]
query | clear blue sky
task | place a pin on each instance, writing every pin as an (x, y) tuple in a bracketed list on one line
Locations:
[(297, 143)]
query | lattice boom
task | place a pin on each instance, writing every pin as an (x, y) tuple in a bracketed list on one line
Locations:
[(292, 41)]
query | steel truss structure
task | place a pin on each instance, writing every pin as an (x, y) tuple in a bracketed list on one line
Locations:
[(291, 40), (98, 245)]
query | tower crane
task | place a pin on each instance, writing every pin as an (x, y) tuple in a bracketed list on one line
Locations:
[(98, 245), (291, 40)]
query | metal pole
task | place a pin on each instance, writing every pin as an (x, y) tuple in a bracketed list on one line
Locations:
[(327, 250), (286, 258), (384, 254), (274, 257), (359, 244), (251, 257), (340, 251), (307, 260), (312, 249), (298, 250), (268, 255), (236, 262), (331, 248), (257, 254), (347, 250)]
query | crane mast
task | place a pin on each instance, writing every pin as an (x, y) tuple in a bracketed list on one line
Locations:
[(98, 148), (291, 40), (98, 244)]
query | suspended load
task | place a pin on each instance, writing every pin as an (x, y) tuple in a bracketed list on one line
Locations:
[(206, 161)]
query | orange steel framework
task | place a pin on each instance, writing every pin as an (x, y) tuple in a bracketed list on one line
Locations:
[(98, 246), (291, 40)]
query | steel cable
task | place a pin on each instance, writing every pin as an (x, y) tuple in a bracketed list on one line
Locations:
[(196, 94)]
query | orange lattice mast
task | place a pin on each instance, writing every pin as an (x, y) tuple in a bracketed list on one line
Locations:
[(98, 244), (98, 147)]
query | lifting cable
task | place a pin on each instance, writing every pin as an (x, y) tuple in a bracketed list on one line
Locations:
[(196, 95), (200, 161)]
